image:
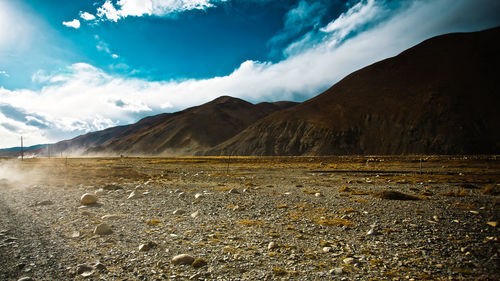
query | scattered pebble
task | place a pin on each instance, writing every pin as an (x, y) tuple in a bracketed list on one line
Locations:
[(88, 199), (26, 279), (272, 245), (178, 212), (44, 203), (336, 271), (134, 195), (99, 192), (110, 217), (102, 229), (147, 246), (348, 260)]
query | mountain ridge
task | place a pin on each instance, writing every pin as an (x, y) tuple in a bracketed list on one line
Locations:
[(437, 97), (416, 102)]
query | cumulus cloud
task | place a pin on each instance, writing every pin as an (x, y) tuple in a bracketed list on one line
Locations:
[(138, 8), (348, 44), (4, 73), (87, 16), (74, 23)]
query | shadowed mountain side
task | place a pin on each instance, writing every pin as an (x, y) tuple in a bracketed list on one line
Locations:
[(439, 97), (181, 133)]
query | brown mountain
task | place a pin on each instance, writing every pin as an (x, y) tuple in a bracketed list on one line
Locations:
[(439, 97), (182, 133)]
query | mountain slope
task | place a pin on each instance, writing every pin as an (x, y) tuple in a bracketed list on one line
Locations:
[(181, 133), (441, 96)]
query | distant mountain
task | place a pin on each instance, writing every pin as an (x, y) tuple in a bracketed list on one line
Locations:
[(16, 151), (182, 133), (439, 97)]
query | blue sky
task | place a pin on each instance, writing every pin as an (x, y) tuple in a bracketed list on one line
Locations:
[(70, 67)]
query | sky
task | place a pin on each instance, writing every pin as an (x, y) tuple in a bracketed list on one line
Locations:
[(72, 67)]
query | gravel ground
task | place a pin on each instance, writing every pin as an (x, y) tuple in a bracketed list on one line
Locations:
[(250, 219)]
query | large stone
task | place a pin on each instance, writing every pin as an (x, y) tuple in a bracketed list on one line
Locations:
[(102, 229), (183, 259), (88, 199)]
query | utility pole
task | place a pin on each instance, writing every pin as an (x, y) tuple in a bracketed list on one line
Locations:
[(22, 149)]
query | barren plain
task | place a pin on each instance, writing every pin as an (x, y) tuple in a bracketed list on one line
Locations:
[(251, 218)]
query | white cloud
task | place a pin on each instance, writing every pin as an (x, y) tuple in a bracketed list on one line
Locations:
[(365, 14), (74, 23), (138, 8), (104, 47), (84, 98), (4, 73), (87, 16), (302, 17), (108, 11), (358, 15)]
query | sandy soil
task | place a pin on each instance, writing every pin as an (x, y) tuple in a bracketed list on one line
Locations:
[(240, 218)]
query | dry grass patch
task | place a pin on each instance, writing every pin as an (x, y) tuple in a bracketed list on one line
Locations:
[(278, 271), (344, 189), (330, 221), (247, 222), (153, 222), (222, 188), (309, 191), (460, 193), (359, 192), (347, 210), (491, 189)]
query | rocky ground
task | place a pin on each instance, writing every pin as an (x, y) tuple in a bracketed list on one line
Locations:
[(250, 218)]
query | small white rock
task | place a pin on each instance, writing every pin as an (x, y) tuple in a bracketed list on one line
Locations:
[(327, 249), (195, 214), (147, 246), (102, 229), (134, 195), (88, 198), (317, 194), (272, 245), (110, 217), (99, 192), (198, 196), (336, 271), (178, 212), (348, 260)]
